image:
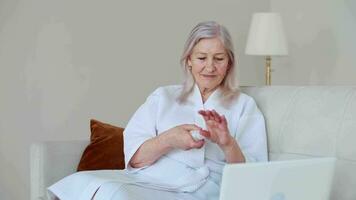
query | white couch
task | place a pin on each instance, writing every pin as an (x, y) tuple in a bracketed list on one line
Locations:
[(309, 121)]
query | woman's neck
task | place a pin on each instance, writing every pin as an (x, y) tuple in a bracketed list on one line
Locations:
[(205, 93)]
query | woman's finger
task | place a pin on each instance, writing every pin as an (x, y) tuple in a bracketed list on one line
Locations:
[(202, 112), (190, 127), (204, 115), (217, 116), (214, 115), (214, 130), (198, 144), (210, 115), (224, 122), (205, 133)]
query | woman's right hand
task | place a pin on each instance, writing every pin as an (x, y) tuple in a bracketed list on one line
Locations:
[(180, 137)]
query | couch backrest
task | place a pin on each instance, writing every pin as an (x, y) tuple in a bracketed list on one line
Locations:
[(312, 121)]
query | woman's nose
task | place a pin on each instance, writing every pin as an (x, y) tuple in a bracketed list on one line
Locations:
[(210, 65)]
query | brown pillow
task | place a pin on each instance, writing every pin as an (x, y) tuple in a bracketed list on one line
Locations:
[(105, 150)]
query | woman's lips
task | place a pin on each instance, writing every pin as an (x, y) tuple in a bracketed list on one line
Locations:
[(207, 76)]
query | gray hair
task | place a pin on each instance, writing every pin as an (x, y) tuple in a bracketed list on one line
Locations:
[(210, 29)]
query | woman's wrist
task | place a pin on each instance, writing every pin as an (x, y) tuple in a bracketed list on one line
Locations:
[(229, 146), (232, 152), (150, 151), (164, 140)]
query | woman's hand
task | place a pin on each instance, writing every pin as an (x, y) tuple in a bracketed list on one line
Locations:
[(218, 131), (180, 137)]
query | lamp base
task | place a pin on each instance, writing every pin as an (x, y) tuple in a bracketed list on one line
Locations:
[(268, 70)]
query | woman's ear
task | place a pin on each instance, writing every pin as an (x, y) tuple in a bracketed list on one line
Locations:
[(189, 61), (229, 65)]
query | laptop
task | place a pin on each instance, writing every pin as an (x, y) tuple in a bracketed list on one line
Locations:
[(305, 179)]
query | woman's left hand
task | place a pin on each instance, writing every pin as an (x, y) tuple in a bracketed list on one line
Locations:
[(218, 131)]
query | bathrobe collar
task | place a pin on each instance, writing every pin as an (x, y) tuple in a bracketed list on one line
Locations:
[(213, 99)]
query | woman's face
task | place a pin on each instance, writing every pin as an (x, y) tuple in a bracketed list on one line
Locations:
[(209, 61)]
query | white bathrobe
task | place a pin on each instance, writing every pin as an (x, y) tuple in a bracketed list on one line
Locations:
[(191, 174)]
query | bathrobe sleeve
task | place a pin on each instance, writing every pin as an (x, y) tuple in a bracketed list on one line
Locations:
[(141, 127), (252, 133)]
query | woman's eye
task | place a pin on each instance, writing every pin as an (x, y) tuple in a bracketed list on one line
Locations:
[(201, 58), (219, 59)]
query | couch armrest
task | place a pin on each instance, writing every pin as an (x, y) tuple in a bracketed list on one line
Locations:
[(50, 161)]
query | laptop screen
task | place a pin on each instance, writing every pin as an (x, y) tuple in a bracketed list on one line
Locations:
[(306, 179)]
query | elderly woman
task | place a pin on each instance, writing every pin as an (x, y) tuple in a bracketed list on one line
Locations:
[(158, 138), (179, 140)]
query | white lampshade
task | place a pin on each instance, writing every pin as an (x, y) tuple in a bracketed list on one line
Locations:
[(266, 36)]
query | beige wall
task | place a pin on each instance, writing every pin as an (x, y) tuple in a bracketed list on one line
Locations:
[(64, 62), (322, 42)]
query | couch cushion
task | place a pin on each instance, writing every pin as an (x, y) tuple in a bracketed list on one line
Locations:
[(347, 134), (105, 150), (344, 183)]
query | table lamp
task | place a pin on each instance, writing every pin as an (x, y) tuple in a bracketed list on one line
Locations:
[(266, 38)]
